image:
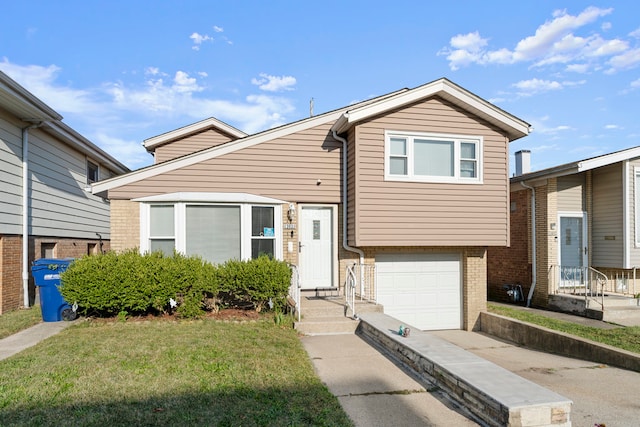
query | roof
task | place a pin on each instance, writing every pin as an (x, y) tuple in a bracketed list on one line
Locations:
[(446, 89), (344, 118), (28, 108), (211, 123), (580, 165)]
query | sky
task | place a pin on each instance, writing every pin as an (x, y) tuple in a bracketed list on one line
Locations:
[(121, 72)]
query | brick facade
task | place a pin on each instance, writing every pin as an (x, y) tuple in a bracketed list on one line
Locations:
[(512, 265), (11, 289), (125, 225)]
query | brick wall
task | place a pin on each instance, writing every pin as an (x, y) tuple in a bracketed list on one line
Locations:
[(512, 265), (11, 288), (125, 225)]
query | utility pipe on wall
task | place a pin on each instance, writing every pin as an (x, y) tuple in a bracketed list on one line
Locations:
[(533, 243), (345, 243), (25, 211)]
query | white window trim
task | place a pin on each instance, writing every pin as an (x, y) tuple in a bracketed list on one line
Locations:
[(457, 139), (180, 229)]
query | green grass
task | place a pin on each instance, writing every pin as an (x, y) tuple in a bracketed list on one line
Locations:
[(627, 338), (191, 373), (17, 320)]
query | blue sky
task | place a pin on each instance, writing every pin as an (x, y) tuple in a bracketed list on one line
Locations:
[(124, 71)]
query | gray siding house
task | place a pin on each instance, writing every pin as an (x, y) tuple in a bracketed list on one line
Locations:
[(46, 210)]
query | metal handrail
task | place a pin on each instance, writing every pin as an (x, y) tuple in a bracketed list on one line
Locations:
[(350, 291), (576, 280), (294, 290)]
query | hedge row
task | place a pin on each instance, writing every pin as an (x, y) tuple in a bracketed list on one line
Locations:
[(152, 283)]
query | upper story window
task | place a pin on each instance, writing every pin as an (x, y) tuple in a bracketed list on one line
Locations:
[(92, 172), (432, 157)]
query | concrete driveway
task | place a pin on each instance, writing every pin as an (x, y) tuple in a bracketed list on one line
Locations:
[(600, 394)]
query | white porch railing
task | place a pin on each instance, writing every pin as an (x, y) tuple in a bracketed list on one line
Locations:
[(294, 291), (579, 281), (360, 284)]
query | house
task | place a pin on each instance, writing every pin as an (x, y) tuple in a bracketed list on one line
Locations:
[(46, 209), (410, 188), (586, 225)]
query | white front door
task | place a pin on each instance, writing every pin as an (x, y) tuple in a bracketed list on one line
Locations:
[(316, 247), (572, 248)]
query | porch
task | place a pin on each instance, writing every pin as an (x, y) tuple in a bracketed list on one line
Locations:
[(610, 295)]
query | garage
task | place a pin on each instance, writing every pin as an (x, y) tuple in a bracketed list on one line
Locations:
[(422, 289)]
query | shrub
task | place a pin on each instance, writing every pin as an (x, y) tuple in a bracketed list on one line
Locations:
[(254, 282), (133, 283)]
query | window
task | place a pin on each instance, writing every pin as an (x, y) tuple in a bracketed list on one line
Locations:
[(92, 172), (263, 235), (213, 232), (432, 158), (48, 250), (216, 232), (161, 229)]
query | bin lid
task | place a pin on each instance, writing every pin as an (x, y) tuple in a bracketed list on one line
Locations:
[(49, 261)]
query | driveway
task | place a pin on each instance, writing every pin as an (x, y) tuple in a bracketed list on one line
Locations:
[(600, 394)]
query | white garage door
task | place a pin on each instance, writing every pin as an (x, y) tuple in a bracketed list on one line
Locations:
[(422, 290)]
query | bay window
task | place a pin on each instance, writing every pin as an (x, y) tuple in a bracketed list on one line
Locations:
[(215, 231), (411, 156)]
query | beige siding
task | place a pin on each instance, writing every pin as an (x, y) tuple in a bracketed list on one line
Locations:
[(607, 233), (417, 214), (303, 167), (191, 144), (570, 193)]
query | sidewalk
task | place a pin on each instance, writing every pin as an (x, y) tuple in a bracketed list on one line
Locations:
[(29, 337)]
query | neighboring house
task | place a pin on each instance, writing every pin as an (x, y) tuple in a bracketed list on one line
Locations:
[(46, 208), (586, 225), (412, 185)]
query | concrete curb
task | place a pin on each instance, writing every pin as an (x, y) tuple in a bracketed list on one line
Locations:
[(550, 341)]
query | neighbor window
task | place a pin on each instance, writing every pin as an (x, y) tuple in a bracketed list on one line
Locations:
[(432, 158), (92, 172)]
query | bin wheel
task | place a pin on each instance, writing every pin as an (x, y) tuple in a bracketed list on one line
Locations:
[(69, 315)]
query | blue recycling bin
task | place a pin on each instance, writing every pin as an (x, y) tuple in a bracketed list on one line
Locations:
[(46, 274)]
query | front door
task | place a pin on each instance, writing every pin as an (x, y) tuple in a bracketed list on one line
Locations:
[(316, 247), (572, 247)]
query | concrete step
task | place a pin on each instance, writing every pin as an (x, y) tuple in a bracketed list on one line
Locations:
[(326, 326), (619, 301)]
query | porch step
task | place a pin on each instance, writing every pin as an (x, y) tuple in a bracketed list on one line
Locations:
[(327, 315), (327, 326)]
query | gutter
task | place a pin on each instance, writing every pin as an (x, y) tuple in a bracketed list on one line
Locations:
[(534, 278), (345, 243), (25, 211)]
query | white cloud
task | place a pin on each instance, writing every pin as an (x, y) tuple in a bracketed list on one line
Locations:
[(554, 42), (198, 39), (274, 83), (116, 114), (218, 29), (612, 127), (533, 86), (626, 60)]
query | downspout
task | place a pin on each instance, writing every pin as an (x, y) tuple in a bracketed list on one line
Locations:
[(25, 211), (533, 243), (345, 243)]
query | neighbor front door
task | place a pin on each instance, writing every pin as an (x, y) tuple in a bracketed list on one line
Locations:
[(316, 247), (572, 247)]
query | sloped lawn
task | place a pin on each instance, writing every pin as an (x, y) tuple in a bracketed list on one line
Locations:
[(166, 372)]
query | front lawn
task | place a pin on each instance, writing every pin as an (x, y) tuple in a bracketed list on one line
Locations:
[(166, 372), (626, 338), (17, 320)]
